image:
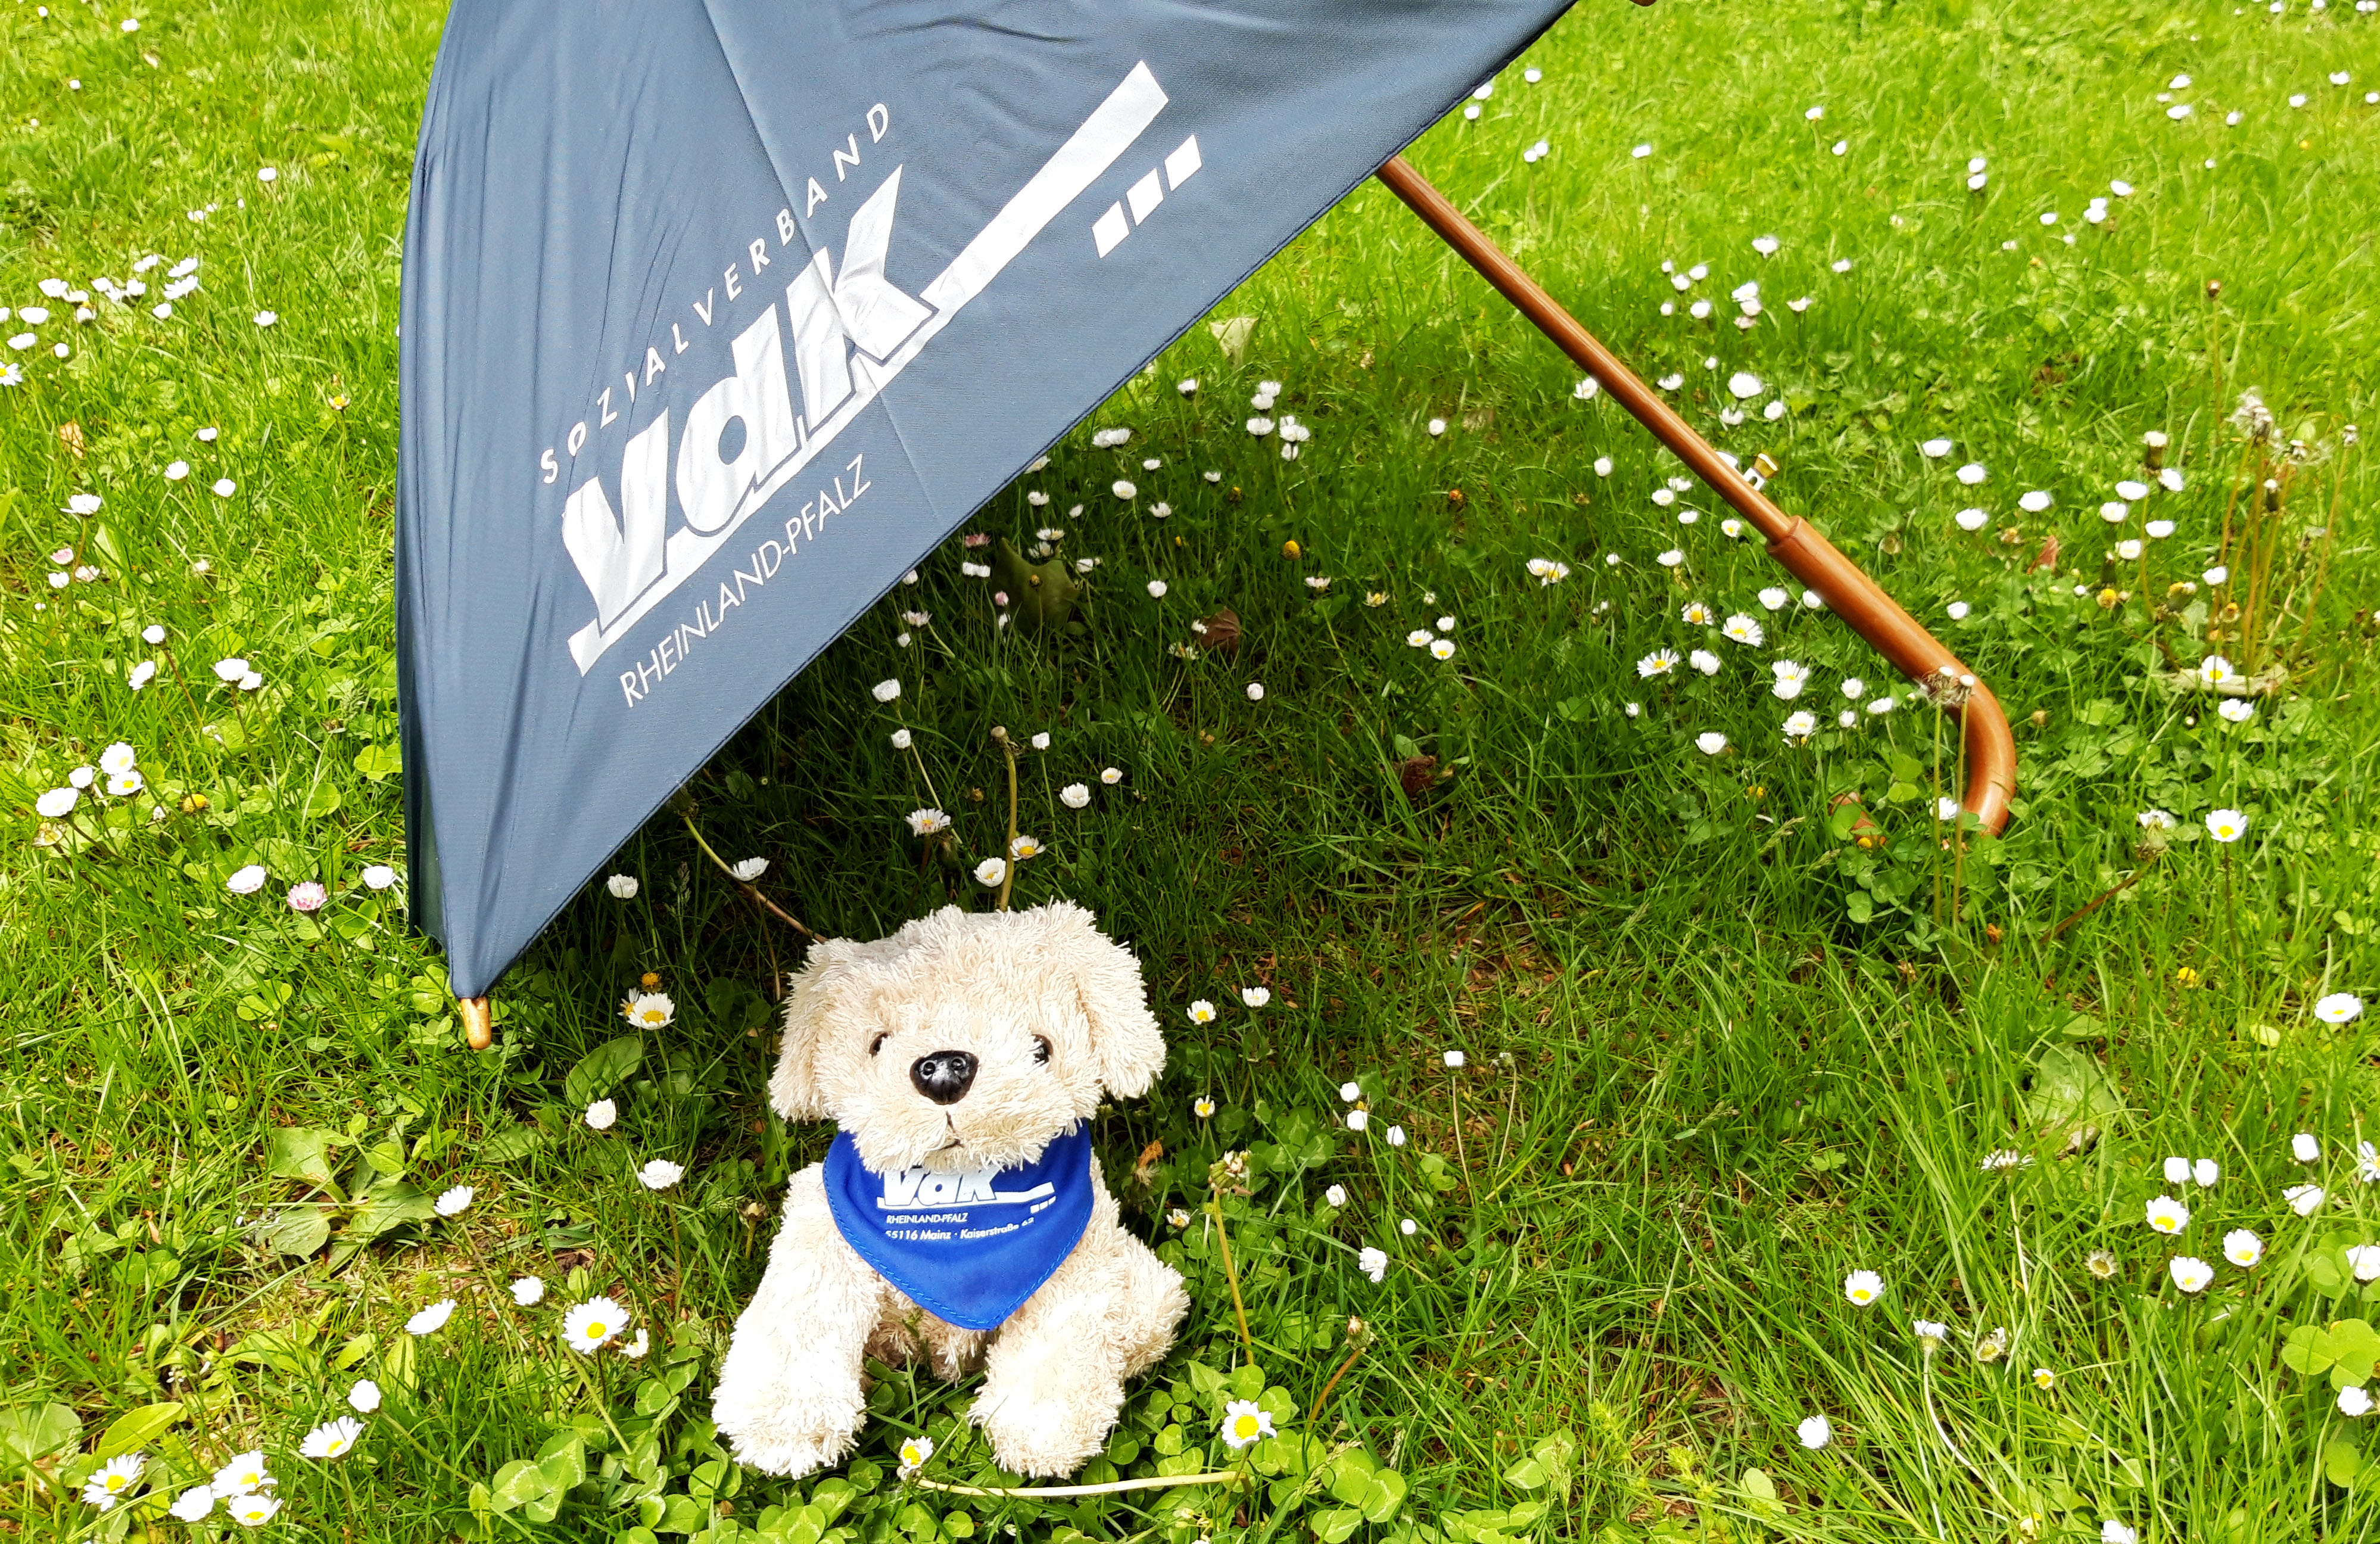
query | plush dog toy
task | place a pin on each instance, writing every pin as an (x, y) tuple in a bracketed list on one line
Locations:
[(960, 1215)]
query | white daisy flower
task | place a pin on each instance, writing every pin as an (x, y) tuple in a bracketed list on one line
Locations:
[(2242, 1248), (650, 1010), (593, 1325), (2167, 1215), (1744, 629), (600, 1115), (927, 821), (1710, 742), (1074, 796), (428, 1321), (916, 1450), (113, 1480), (451, 1203), (2206, 1172), (246, 1472), (1244, 1423), (1336, 1195), (364, 1397), (1453, 1058), (749, 868), (1255, 997), (660, 1173), (332, 1439), (195, 1504), (529, 1290), (1703, 661), (991, 870), (1373, 1263), (1202, 1107), (1024, 847), (2354, 1402), (2303, 1199), (2225, 825), (1801, 725), (623, 887), (1816, 1432), (1862, 1287), (2191, 1273), (1660, 661), (1358, 1119), (252, 1511), (1442, 649), (2340, 1007)]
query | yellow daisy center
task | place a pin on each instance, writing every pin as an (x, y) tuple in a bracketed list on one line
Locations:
[(1244, 1425), (595, 1330), (117, 1482)]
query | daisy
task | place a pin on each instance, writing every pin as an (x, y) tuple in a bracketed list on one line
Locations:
[(1443, 648), (749, 868), (1862, 1287), (1244, 1423), (2113, 1532), (2354, 1402), (623, 887), (2167, 1215), (2206, 1172), (916, 1450), (593, 1325), (1202, 1011), (378, 876), (1742, 629), (1024, 847), (332, 1439), (1703, 661), (2190, 1273), (2044, 1379), (1660, 661), (364, 1398), (2225, 825), (2215, 670), (1695, 615), (1816, 1432), (650, 1010), (1710, 742), (1157, 589), (1454, 1059), (2242, 1248), (428, 1321), (1373, 1263), (252, 1511), (600, 1115), (142, 674), (1350, 1092), (1358, 1119), (245, 1473), (991, 870), (1801, 725), (1773, 599), (2340, 1007), (1408, 1227), (1202, 1107), (1178, 1218), (1930, 1335), (660, 1173), (2303, 1199), (451, 1203), (2364, 1260), (195, 1504), (1671, 559), (2367, 1164), (1336, 1195), (58, 803), (2100, 1263), (1396, 1136), (1110, 775), (2305, 1148), (1255, 997), (529, 1290), (2155, 819), (113, 1481)]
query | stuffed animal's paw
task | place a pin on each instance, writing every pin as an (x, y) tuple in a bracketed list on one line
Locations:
[(1046, 1432)]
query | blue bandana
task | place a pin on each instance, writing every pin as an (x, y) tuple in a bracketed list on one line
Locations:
[(967, 1247)]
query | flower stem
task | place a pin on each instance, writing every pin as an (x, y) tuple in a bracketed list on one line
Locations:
[(1008, 853), (1324, 1397), (751, 891), (1231, 1275)]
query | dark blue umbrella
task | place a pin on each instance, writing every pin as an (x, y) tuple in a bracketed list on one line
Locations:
[(719, 314)]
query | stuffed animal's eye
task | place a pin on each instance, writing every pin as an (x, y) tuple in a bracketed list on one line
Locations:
[(878, 1043), (1041, 1051)]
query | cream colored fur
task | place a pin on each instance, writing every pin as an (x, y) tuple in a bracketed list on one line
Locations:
[(791, 1396)]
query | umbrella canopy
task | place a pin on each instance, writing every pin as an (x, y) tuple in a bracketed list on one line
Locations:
[(719, 314)]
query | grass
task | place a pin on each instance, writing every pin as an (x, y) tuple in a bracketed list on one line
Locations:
[(1723, 1046)]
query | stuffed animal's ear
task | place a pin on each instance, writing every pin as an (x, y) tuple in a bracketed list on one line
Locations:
[(794, 1089), (1125, 1044)]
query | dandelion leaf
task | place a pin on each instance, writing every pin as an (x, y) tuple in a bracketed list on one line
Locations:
[(299, 1232), (514, 1141), (2070, 1097), (304, 1153)]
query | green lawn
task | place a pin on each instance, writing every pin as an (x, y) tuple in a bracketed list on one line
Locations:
[(1723, 1046)]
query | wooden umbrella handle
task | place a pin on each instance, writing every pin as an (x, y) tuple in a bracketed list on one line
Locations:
[(1792, 541)]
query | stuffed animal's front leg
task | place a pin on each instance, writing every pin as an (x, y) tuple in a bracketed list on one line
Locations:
[(789, 1397), (1053, 1379)]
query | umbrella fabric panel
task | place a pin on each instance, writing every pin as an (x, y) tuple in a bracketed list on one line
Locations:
[(718, 317)]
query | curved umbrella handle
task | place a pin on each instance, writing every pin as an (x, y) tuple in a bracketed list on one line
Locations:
[(1792, 541)]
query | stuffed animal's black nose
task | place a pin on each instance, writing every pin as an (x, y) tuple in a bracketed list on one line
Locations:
[(943, 1076)]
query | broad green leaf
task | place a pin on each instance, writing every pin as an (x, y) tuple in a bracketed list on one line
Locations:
[(562, 1461), (2342, 1464), (36, 1431), (2069, 1094), (1528, 1474), (322, 801), (282, 1351), (602, 1069), (1245, 1381), (397, 1362), (134, 1429), (1336, 1525), (680, 1514), (1382, 1497), (300, 1231), (389, 1206), (514, 1142), (303, 1153), (517, 1482)]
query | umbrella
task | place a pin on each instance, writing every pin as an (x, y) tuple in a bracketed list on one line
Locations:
[(719, 314)]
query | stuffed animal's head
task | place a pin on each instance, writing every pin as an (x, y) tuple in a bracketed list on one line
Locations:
[(965, 1039)]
